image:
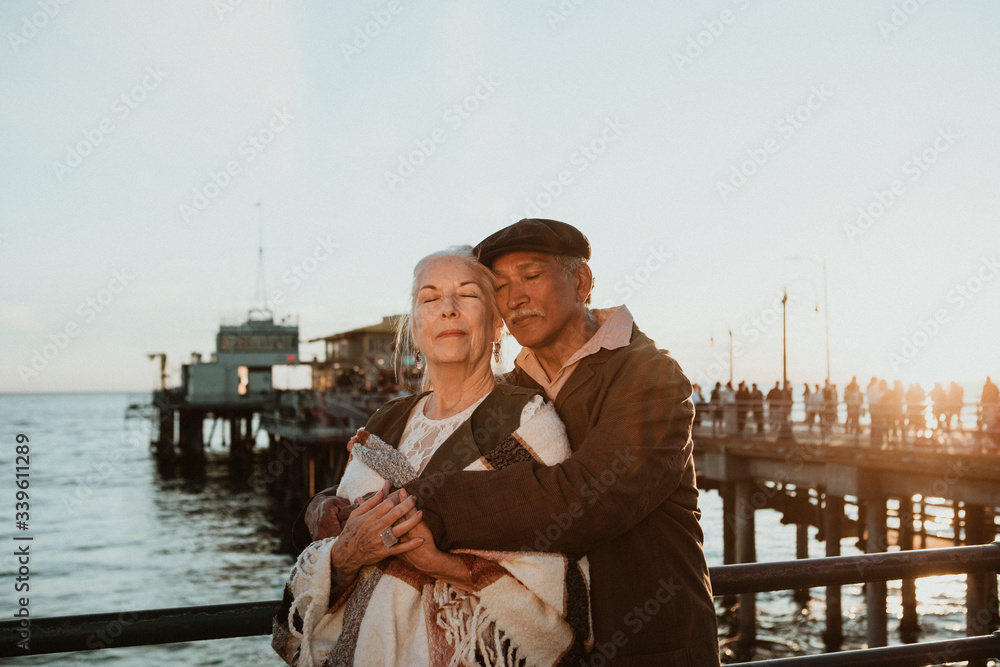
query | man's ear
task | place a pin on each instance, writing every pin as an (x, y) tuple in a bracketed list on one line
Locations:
[(584, 282)]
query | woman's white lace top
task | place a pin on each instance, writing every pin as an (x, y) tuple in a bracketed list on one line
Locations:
[(423, 435)]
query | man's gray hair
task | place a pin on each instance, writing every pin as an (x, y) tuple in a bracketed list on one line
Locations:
[(571, 265)]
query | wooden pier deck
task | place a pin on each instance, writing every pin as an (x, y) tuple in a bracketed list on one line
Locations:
[(902, 491), (956, 468)]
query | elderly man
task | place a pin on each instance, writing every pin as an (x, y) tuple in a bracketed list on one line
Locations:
[(627, 495)]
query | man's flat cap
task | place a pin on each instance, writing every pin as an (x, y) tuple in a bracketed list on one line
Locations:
[(534, 235)]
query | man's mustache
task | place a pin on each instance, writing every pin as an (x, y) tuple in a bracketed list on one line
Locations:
[(524, 312)]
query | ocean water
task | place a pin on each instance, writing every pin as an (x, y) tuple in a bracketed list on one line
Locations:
[(113, 533)]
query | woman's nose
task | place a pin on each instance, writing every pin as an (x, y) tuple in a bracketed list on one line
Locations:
[(449, 306)]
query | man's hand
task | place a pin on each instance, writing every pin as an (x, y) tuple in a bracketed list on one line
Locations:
[(325, 516)]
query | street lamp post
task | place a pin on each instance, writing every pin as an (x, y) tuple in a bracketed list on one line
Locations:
[(711, 341), (784, 338), (785, 429), (826, 317)]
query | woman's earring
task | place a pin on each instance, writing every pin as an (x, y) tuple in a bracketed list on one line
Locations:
[(418, 363), (496, 351)]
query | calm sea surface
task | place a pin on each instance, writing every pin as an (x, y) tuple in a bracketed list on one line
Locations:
[(111, 533)]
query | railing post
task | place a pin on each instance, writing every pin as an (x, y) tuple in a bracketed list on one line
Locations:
[(875, 591), (923, 523), (833, 513), (801, 595), (978, 615), (992, 593), (747, 553)]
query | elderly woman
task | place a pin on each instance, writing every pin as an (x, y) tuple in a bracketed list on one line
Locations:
[(381, 593)]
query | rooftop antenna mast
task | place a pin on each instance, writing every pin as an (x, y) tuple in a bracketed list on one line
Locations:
[(261, 295)]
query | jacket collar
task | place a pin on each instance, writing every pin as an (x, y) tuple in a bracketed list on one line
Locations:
[(584, 371)]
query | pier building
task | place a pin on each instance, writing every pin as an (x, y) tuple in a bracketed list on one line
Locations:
[(232, 388)]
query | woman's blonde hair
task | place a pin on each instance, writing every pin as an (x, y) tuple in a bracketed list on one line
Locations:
[(405, 336)]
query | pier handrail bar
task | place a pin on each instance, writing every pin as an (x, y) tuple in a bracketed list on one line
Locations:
[(908, 655), (182, 624), (61, 634), (839, 570)]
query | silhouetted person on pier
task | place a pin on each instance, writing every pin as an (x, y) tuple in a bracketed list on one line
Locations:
[(742, 397), (916, 421), (757, 406), (956, 397), (699, 403), (939, 400), (814, 405), (990, 409), (853, 400), (806, 404), (876, 407), (894, 411), (715, 405), (829, 415), (871, 397), (787, 402), (727, 407), (775, 406)]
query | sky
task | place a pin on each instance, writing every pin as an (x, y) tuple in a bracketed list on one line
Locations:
[(716, 154)]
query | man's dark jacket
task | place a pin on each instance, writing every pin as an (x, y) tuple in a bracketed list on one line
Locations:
[(626, 498)]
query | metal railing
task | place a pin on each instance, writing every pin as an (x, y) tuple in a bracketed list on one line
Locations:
[(975, 424), (184, 624), (910, 655)]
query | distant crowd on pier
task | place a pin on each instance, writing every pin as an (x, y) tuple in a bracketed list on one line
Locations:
[(892, 413)]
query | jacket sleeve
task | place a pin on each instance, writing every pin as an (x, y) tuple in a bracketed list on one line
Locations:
[(633, 457)]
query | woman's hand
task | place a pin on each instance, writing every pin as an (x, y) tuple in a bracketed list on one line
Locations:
[(433, 562), (360, 542)]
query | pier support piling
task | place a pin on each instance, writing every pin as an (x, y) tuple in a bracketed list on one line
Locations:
[(801, 595), (833, 515), (192, 438), (165, 437), (909, 625), (728, 493), (992, 594), (241, 441), (979, 615), (875, 591), (747, 553)]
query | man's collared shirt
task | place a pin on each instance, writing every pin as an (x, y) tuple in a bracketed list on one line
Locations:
[(614, 331)]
